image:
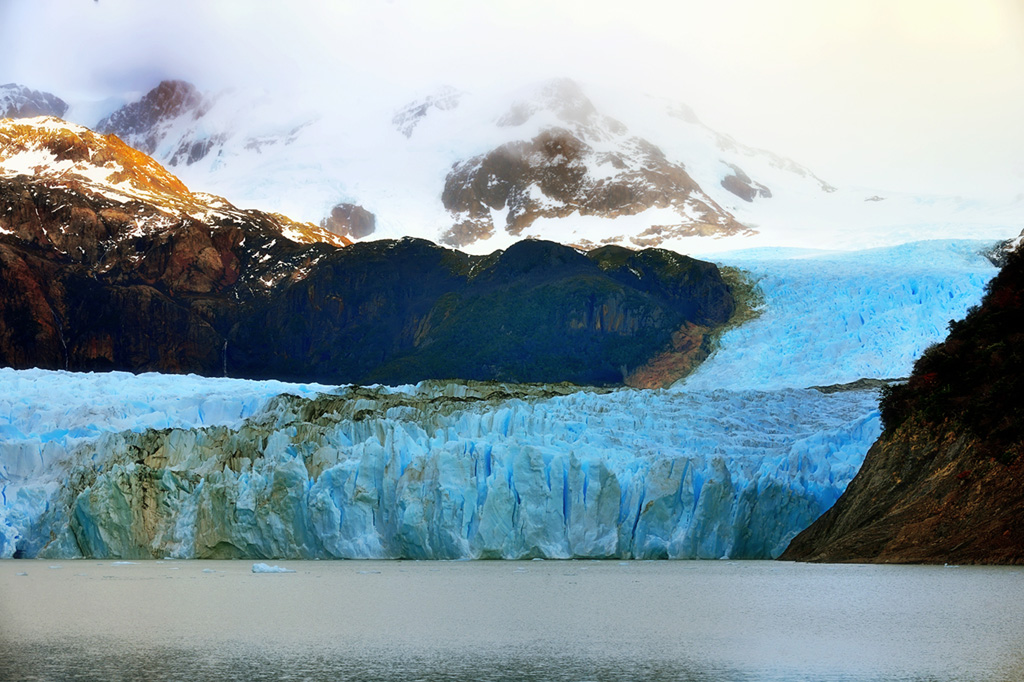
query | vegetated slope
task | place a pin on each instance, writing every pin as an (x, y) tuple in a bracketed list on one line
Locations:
[(401, 311), (945, 482), (107, 261)]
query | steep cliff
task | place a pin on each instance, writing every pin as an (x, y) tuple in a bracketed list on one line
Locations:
[(945, 482)]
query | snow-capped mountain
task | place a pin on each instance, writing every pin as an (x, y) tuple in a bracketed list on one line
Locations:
[(576, 163), (453, 166), (145, 123), (18, 101), (581, 164)]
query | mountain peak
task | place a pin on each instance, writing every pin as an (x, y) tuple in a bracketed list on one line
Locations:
[(18, 101), (562, 97), (140, 122)]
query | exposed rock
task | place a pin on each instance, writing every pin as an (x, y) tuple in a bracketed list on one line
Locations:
[(190, 151), (945, 482), (727, 143), (350, 220), (859, 385), (1001, 251), (17, 101), (740, 184)]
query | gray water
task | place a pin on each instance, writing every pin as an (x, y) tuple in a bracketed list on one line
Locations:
[(534, 620)]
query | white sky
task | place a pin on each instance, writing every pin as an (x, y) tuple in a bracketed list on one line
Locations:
[(920, 95)]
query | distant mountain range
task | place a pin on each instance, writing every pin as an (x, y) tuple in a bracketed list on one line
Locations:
[(574, 163), (545, 154)]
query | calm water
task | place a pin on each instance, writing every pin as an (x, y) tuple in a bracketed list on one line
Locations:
[(539, 620)]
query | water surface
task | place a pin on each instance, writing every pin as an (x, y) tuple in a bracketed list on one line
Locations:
[(534, 620)]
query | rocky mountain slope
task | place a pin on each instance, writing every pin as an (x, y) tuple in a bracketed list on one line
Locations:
[(945, 482), (110, 262)]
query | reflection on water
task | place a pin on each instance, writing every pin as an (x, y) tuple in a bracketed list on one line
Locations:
[(553, 620)]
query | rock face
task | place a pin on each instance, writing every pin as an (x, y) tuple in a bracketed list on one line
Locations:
[(350, 221), (17, 101), (740, 184), (109, 262), (945, 482)]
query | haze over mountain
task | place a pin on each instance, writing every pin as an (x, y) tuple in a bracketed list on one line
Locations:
[(581, 164), (917, 96)]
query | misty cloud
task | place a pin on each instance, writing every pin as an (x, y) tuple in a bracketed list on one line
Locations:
[(919, 94)]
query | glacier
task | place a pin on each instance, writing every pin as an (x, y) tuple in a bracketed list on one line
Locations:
[(732, 462), (832, 317)]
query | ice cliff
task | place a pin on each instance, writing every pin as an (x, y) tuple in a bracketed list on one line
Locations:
[(732, 464), (454, 471)]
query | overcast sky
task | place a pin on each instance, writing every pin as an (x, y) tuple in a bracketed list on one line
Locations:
[(923, 95)]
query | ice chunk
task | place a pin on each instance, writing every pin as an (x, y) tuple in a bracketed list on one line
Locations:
[(266, 568)]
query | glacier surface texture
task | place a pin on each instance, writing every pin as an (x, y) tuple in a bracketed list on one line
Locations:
[(732, 463)]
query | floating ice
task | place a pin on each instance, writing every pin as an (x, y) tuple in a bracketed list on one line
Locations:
[(266, 568)]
